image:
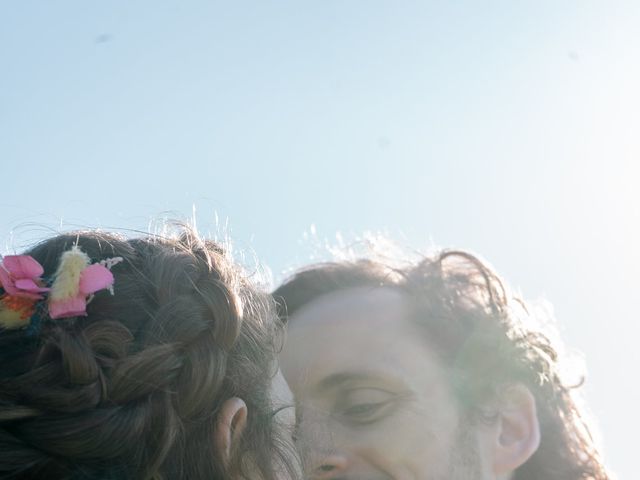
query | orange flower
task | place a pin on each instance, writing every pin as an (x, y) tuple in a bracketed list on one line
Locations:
[(15, 312)]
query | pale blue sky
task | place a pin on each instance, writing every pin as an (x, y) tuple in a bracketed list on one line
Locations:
[(507, 127)]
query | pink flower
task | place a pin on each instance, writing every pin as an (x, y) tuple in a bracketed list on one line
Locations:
[(20, 276), (92, 279)]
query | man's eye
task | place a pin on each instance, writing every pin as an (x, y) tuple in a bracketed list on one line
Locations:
[(363, 410), (364, 405)]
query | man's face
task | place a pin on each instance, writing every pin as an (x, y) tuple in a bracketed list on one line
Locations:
[(374, 402)]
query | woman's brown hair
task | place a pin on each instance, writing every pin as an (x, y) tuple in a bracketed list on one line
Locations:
[(133, 390), (480, 330)]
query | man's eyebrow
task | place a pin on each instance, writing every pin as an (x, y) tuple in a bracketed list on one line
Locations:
[(339, 379)]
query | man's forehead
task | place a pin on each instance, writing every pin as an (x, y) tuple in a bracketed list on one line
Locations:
[(358, 330), (364, 304)]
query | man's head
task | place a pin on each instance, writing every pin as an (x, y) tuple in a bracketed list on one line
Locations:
[(426, 372)]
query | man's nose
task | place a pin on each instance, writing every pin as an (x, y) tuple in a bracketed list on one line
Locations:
[(321, 445), (328, 466)]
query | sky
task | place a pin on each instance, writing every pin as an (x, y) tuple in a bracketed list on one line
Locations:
[(506, 127)]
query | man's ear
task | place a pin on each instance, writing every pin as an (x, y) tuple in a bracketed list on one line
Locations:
[(229, 427), (517, 435)]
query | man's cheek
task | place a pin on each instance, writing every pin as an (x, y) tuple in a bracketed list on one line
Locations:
[(414, 443)]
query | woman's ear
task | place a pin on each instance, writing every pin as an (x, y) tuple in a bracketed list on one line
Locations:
[(230, 424), (517, 435)]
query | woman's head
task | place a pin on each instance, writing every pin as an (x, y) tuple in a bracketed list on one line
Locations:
[(169, 377)]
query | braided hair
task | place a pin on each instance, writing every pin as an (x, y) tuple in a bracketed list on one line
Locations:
[(133, 389)]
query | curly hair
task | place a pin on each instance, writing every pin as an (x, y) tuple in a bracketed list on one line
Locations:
[(132, 390), (479, 328)]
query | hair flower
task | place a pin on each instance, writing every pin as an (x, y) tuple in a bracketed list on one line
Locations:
[(16, 312), (20, 276), (20, 280), (74, 283)]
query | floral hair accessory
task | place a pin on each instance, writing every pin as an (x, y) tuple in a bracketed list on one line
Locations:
[(20, 276), (75, 282), (22, 289)]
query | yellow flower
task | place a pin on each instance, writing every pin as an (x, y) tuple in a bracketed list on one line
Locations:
[(15, 312)]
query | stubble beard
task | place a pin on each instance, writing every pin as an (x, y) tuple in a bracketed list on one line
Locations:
[(464, 460)]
